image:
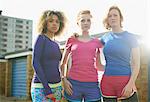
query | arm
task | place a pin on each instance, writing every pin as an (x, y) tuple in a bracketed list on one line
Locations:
[(64, 63), (99, 57), (67, 85), (99, 65), (135, 65), (65, 57), (37, 57)]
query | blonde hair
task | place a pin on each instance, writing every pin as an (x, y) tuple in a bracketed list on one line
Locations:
[(83, 12), (105, 21), (42, 25)]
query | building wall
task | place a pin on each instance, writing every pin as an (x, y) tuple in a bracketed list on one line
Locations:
[(29, 75), (142, 80), (2, 77), (8, 78), (18, 31)]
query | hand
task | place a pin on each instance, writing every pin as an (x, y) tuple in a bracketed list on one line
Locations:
[(128, 90), (75, 35), (67, 86), (51, 96)]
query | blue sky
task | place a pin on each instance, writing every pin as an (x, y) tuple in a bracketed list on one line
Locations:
[(135, 13)]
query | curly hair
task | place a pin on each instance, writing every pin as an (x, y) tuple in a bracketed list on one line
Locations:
[(105, 21), (42, 25)]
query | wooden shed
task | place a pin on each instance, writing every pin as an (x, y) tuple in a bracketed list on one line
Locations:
[(18, 74)]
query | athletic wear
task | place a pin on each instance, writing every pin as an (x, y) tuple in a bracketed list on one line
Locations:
[(83, 56), (46, 58), (117, 52), (83, 72)]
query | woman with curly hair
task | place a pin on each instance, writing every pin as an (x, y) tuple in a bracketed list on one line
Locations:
[(46, 83)]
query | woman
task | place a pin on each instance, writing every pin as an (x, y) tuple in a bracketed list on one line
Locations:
[(122, 54), (46, 83), (81, 82)]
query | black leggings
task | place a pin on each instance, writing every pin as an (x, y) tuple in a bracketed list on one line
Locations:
[(133, 98)]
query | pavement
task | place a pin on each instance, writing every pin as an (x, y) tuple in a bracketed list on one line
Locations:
[(12, 99)]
